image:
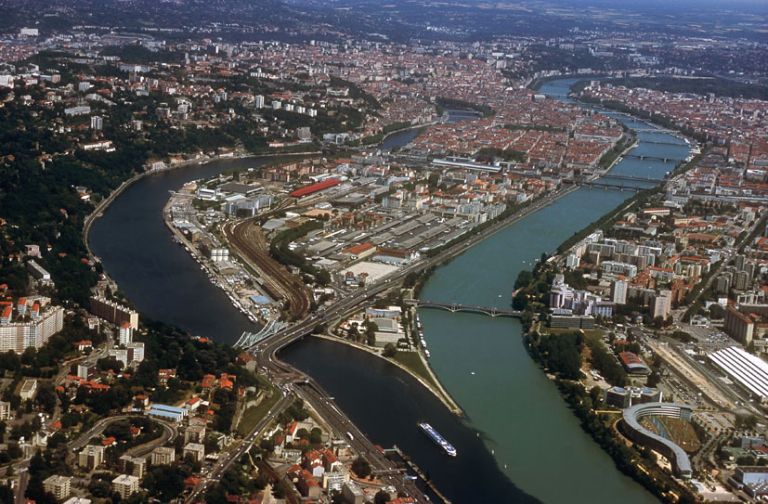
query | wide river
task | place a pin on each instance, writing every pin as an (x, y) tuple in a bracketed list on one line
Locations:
[(518, 442)]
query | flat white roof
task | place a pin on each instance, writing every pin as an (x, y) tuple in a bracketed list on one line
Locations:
[(375, 270), (749, 371)]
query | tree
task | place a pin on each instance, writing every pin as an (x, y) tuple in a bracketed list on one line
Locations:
[(381, 497), (267, 445), (109, 363), (524, 278), (716, 312), (46, 398), (361, 467), (389, 350), (370, 332), (520, 301), (164, 482), (6, 495), (353, 333)]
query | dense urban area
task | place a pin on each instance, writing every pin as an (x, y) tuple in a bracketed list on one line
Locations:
[(375, 144)]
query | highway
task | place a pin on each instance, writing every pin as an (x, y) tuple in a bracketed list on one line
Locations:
[(170, 432)]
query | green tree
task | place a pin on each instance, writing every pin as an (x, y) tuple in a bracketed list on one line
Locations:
[(361, 467), (370, 332), (164, 482), (389, 350)]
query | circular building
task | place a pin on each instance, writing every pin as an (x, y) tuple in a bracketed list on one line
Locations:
[(639, 434)]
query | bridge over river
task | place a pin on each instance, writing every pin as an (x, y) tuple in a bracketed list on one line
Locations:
[(490, 311)]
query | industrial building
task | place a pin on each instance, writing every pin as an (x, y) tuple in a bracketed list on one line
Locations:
[(634, 364), (168, 412), (748, 371), (314, 188)]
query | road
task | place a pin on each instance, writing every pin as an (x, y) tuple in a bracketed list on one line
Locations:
[(170, 431), (21, 487), (232, 456), (313, 394)]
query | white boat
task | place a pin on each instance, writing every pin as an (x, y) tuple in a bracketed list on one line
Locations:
[(438, 439)]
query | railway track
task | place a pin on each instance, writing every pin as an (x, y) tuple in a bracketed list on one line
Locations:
[(251, 245)]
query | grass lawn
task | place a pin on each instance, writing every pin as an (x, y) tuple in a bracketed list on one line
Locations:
[(589, 333), (254, 414), (413, 361)]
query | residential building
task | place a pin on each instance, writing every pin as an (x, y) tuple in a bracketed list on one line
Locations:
[(194, 450), (28, 390), (746, 323), (5, 410), (136, 466), (114, 312), (77, 500), (619, 290), (58, 485), (163, 455), (125, 485), (352, 494), (333, 481), (126, 333), (194, 434), (91, 457), (97, 123), (43, 323), (135, 352), (662, 304)]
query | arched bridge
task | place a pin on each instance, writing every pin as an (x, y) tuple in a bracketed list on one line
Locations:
[(490, 311)]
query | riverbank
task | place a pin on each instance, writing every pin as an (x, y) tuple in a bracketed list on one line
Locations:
[(401, 130), (433, 385), (104, 204), (210, 270), (486, 367), (536, 84), (581, 400)]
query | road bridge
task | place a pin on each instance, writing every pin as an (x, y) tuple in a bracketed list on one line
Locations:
[(632, 178), (643, 157), (491, 311), (249, 339), (657, 142), (654, 130), (606, 185)]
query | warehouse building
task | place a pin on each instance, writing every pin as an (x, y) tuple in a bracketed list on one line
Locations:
[(748, 371)]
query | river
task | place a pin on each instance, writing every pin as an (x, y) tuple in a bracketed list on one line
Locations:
[(482, 362), (517, 428)]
